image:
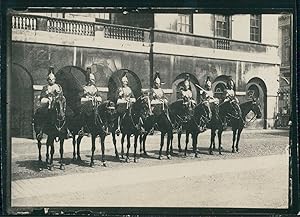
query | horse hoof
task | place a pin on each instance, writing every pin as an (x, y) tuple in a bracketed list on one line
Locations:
[(232, 151), (92, 164), (50, 167), (196, 156), (127, 160), (135, 160), (169, 157), (159, 157), (179, 150), (237, 150), (79, 158), (145, 153), (211, 153), (220, 153), (74, 159), (104, 164), (62, 167)]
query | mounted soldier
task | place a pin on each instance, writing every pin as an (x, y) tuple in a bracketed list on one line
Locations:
[(90, 97), (125, 99), (186, 93), (208, 95), (230, 95), (90, 91), (48, 95), (50, 91), (157, 95)]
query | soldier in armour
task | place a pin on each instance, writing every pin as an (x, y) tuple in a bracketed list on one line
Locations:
[(157, 95), (125, 96), (208, 95), (50, 92), (90, 94), (186, 92), (230, 95), (125, 93), (90, 91)]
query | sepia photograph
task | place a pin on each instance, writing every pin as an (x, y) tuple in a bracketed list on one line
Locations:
[(141, 108)]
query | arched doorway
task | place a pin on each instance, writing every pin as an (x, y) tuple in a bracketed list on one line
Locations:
[(219, 86), (115, 82), (21, 99), (257, 89), (178, 83), (72, 79)]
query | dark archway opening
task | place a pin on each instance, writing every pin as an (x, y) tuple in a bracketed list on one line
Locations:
[(72, 79), (21, 98)]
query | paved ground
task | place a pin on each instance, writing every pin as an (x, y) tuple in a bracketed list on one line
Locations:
[(255, 177)]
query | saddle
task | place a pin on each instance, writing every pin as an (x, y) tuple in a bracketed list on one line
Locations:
[(123, 107)]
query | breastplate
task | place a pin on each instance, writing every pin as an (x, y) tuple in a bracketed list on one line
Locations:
[(158, 93)]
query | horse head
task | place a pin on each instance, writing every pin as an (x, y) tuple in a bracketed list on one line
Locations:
[(142, 106), (60, 111)]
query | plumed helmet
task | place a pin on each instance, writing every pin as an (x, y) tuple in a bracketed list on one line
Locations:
[(92, 77), (124, 78), (207, 83), (51, 75), (157, 78), (187, 79)]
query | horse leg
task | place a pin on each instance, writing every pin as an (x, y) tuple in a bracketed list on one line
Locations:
[(122, 145), (144, 144), (187, 134), (61, 151), (220, 140), (115, 145), (212, 140), (135, 146), (179, 138), (74, 144), (51, 153), (195, 137), (79, 138), (162, 137), (102, 140), (169, 139), (233, 139), (93, 150), (39, 144), (238, 139), (128, 147), (47, 151)]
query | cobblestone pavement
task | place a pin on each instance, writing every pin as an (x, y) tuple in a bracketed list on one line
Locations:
[(255, 177)]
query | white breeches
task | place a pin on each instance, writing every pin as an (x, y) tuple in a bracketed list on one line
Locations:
[(120, 101), (86, 99)]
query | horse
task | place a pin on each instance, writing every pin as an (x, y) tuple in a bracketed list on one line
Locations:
[(196, 124), (181, 113), (225, 110), (237, 124), (131, 123), (53, 123), (96, 118), (163, 123)]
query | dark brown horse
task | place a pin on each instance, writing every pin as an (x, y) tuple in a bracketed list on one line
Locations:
[(132, 123), (52, 122), (237, 124), (195, 125), (220, 113), (162, 122), (96, 120)]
